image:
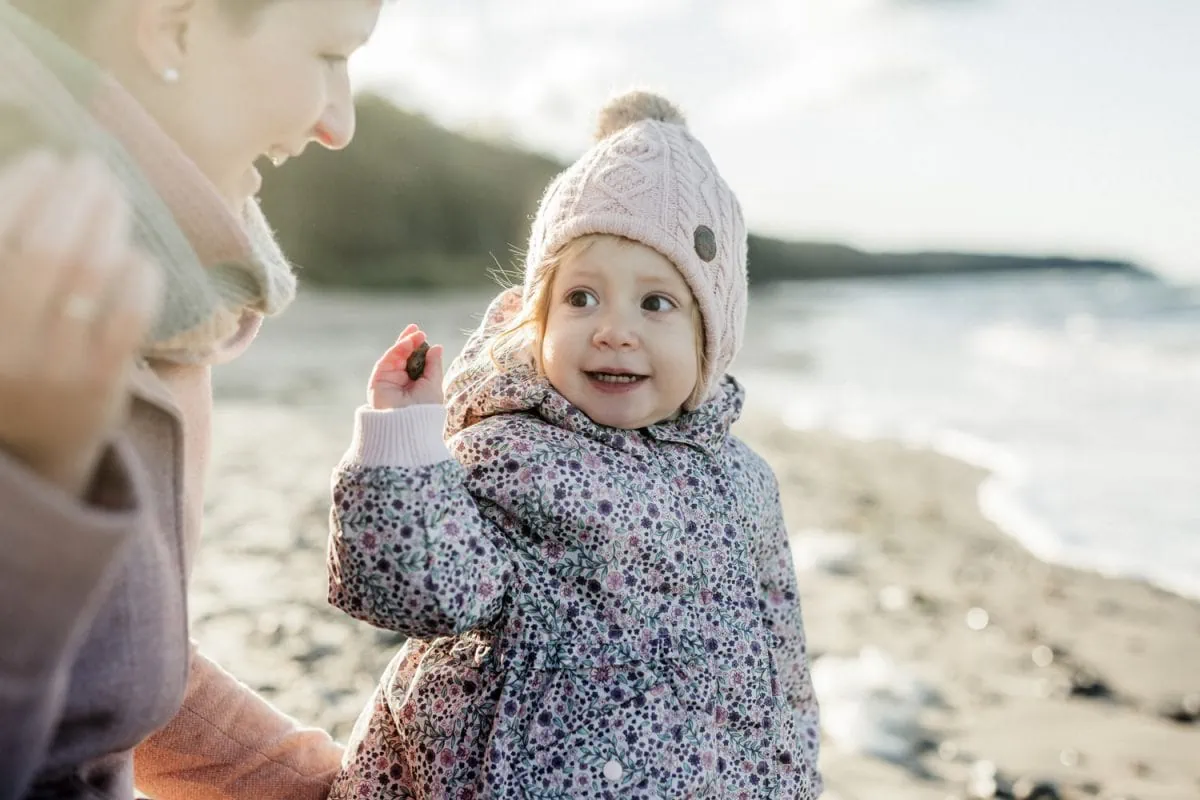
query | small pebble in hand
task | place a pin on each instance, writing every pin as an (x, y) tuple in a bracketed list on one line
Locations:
[(415, 365)]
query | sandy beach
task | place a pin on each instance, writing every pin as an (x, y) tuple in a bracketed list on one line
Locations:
[(949, 662)]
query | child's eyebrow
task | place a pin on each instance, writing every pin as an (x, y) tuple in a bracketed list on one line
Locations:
[(586, 274), (592, 275), (657, 280), (663, 283)]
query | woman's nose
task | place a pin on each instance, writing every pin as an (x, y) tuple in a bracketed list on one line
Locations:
[(335, 129)]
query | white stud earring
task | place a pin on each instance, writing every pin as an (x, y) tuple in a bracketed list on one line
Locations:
[(170, 75)]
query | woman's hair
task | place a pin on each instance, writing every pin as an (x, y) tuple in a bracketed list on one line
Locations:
[(68, 19), (520, 342)]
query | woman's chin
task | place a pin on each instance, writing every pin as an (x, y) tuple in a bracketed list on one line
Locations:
[(251, 184), (243, 189)]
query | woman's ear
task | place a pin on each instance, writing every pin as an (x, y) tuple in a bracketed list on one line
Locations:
[(163, 28)]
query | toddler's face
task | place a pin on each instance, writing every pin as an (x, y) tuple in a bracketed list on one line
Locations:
[(621, 335)]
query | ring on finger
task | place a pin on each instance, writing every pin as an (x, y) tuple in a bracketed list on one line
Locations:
[(80, 308)]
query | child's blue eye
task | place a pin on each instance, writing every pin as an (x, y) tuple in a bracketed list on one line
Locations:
[(581, 299), (658, 302)]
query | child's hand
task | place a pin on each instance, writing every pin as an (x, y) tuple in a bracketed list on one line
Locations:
[(391, 386)]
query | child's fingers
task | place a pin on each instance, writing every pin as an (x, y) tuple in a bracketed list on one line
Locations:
[(398, 354), (407, 331), (390, 369), (412, 338)]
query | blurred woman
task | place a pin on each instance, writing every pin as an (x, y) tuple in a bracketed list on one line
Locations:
[(132, 259)]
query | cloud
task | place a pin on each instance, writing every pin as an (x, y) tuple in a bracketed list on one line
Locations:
[(542, 71), (828, 55)]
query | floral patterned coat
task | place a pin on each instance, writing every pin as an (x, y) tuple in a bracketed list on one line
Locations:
[(593, 612)]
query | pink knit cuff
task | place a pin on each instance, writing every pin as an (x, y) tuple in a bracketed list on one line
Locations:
[(398, 437)]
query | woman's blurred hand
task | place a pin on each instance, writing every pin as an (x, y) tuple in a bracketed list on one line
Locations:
[(76, 300)]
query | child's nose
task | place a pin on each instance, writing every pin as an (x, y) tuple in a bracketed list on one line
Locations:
[(617, 332)]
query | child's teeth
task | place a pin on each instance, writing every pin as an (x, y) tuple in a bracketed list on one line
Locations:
[(616, 378)]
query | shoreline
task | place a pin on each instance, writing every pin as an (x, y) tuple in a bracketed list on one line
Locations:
[(917, 556), (997, 497)]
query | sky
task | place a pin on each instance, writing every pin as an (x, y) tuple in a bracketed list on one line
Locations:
[(1025, 126)]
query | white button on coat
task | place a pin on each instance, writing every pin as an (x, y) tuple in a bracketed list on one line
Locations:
[(613, 770)]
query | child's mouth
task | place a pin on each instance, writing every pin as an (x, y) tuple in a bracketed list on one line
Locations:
[(615, 381)]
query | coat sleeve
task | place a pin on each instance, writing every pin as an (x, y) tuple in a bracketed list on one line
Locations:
[(779, 603), (228, 743), (410, 550), (56, 560)]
